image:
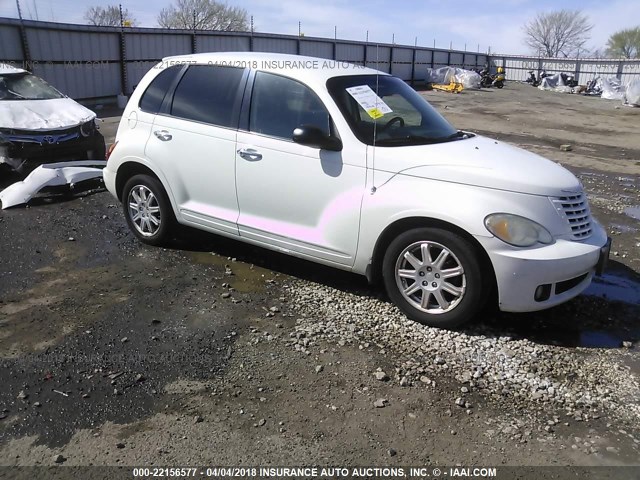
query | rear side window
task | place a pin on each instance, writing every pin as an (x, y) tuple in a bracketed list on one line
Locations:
[(207, 93), (151, 100), (279, 105)]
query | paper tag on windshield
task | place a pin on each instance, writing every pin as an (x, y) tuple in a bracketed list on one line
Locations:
[(367, 99)]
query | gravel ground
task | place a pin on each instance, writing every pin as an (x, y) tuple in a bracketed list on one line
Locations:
[(214, 352)]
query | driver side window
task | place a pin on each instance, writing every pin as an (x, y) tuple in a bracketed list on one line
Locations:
[(279, 105)]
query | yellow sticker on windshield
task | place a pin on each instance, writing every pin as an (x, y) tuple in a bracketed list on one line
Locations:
[(375, 113), (369, 101)]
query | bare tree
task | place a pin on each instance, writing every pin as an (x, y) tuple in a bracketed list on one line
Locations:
[(625, 43), (203, 15), (559, 33), (108, 16)]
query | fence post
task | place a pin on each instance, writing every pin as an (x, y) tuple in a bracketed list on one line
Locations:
[(24, 42), (391, 60), (335, 43), (123, 65), (413, 66)]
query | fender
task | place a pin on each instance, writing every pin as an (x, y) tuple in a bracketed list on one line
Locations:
[(131, 162), (463, 206)]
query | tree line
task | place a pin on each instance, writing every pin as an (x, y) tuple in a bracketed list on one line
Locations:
[(561, 33), (565, 33), (184, 14)]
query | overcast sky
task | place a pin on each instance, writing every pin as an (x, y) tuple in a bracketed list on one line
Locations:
[(494, 23)]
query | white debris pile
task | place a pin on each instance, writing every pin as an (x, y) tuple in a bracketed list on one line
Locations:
[(612, 89), (72, 175), (554, 83), (446, 75), (632, 93)]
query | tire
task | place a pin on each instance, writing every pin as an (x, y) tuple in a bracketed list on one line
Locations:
[(450, 301), (145, 195), (499, 84)]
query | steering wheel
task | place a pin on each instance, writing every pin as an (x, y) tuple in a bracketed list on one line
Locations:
[(398, 120)]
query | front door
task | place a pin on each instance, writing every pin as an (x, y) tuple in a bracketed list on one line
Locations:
[(301, 199)]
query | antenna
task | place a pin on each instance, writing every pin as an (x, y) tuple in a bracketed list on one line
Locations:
[(375, 125)]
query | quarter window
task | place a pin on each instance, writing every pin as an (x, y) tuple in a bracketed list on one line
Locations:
[(153, 96), (207, 93), (279, 105)]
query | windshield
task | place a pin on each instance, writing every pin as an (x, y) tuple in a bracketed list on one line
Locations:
[(24, 86), (387, 110)]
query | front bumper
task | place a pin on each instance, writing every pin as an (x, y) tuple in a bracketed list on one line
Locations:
[(562, 270), (18, 153)]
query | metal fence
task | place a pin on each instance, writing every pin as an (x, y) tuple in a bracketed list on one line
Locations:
[(584, 69), (88, 62)]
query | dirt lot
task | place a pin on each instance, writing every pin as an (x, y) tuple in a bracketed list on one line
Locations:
[(114, 353)]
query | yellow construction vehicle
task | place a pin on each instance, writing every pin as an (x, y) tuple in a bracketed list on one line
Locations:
[(453, 87)]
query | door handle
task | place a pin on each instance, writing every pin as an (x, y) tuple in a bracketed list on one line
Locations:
[(250, 154), (163, 135)]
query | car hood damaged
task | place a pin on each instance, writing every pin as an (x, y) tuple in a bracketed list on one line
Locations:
[(70, 176), (43, 114)]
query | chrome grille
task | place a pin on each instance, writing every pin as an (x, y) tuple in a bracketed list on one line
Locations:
[(574, 209)]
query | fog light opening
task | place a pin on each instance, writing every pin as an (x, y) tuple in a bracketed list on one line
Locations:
[(542, 293)]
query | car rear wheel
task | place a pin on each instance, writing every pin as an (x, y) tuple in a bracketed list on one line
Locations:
[(433, 276), (147, 210)]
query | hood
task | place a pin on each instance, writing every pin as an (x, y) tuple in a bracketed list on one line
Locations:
[(56, 113), (482, 162)]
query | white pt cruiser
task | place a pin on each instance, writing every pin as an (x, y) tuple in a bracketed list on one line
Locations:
[(350, 167)]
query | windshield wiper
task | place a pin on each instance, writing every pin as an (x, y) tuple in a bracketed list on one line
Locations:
[(15, 94), (409, 140), (453, 136)]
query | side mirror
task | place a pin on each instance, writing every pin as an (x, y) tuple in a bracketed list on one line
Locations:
[(316, 138)]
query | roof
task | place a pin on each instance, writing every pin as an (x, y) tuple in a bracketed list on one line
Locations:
[(311, 70), (5, 69)]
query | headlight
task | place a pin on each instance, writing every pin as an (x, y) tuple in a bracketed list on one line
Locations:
[(516, 230), (87, 128)]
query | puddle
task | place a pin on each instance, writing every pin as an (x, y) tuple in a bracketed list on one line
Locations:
[(575, 332), (615, 287), (598, 339), (246, 277), (633, 212), (622, 228)]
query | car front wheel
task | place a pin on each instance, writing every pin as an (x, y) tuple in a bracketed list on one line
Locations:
[(434, 277), (147, 210)]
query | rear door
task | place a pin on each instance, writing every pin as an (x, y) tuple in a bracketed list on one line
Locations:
[(193, 141)]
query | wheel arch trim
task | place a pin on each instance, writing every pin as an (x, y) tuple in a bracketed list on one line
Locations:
[(374, 268), (136, 166)]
